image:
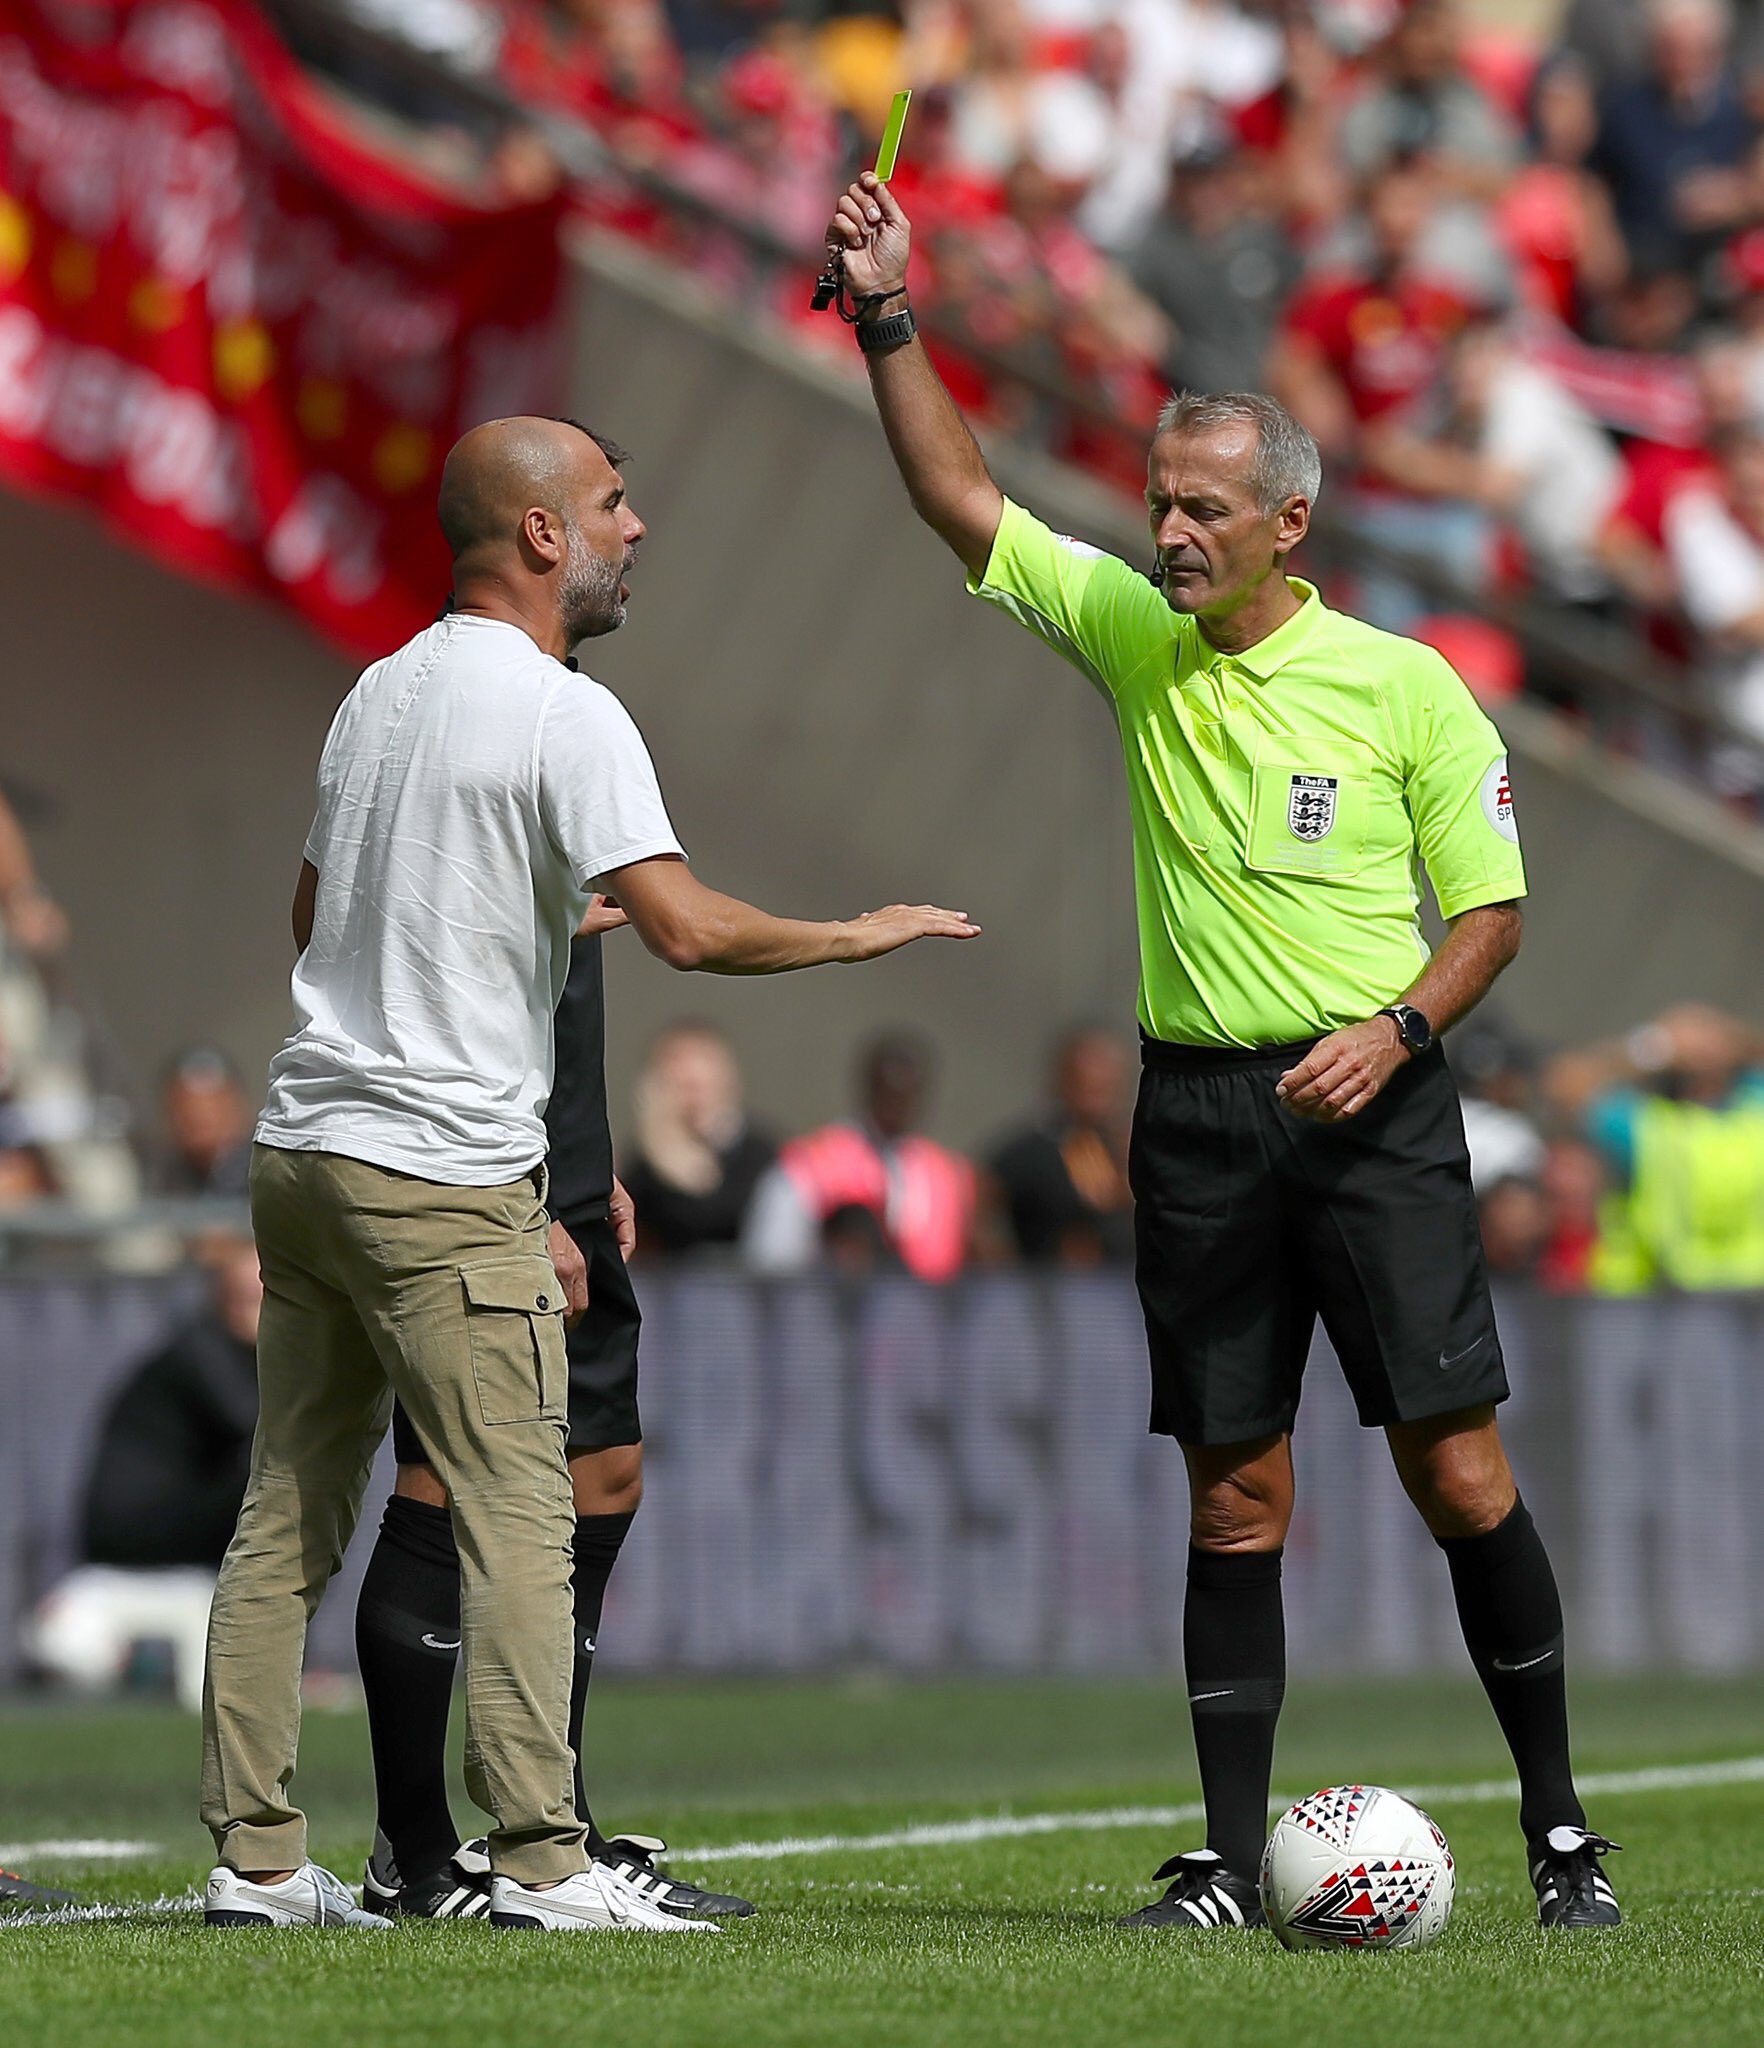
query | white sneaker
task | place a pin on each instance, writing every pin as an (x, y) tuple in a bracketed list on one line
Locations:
[(595, 1898), (310, 1898)]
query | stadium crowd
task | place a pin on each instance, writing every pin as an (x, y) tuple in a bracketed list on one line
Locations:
[(1514, 282)]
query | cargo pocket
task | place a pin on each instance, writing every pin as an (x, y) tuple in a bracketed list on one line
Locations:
[(514, 1318)]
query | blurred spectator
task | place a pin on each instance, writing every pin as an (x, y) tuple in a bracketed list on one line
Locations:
[(1675, 144), (1574, 1182), (1420, 102), (1493, 1067), (1515, 1218), (1501, 433), (207, 1119), (1360, 348), (1062, 1180), (1631, 545), (696, 1164), (1555, 216), (166, 1481), (1714, 534), (1677, 1111), (1219, 267), (921, 1196), (30, 918)]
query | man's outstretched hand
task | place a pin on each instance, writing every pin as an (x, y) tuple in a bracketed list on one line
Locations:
[(872, 237), (1343, 1072), (884, 931)]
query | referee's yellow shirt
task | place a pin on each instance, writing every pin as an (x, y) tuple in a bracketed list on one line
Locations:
[(1282, 798)]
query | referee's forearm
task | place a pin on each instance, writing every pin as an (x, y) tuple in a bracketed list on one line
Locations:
[(935, 451), (1478, 946)]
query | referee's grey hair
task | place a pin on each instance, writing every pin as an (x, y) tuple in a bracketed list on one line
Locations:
[(1286, 464)]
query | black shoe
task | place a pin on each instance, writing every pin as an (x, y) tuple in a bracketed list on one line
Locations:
[(634, 1858), (19, 1893), (1572, 1890), (1202, 1893), (459, 1890)]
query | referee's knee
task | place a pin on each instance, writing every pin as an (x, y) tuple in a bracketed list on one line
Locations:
[(1233, 1517)]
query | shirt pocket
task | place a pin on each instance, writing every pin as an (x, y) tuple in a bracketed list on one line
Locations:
[(514, 1323), (1310, 809), (1181, 762)]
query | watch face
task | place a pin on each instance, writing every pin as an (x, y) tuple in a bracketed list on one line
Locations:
[(1417, 1033)]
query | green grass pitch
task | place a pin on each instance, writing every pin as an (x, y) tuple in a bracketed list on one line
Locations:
[(1000, 1941)]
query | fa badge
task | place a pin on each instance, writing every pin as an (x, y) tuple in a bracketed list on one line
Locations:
[(1310, 806)]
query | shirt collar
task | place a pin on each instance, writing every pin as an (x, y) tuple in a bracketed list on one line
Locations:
[(1268, 657)]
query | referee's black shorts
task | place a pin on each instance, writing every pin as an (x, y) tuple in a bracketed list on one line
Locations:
[(1251, 1222), (602, 1350)]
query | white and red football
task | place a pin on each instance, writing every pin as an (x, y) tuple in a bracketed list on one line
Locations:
[(1356, 1866)]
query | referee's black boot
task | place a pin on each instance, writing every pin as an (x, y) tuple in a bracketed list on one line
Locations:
[(1572, 1891), (1203, 1894), (637, 1858)]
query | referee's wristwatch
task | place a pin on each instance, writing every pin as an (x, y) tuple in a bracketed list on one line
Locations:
[(1413, 1028)]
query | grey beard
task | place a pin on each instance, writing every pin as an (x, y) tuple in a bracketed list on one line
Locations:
[(589, 598)]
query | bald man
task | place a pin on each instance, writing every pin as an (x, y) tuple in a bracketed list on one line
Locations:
[(473, 795)]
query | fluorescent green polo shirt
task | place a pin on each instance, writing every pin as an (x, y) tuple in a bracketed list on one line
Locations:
[(1283, 798)]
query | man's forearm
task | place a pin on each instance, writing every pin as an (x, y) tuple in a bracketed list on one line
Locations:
[(1467, 963), (933, 446), (728, 936)]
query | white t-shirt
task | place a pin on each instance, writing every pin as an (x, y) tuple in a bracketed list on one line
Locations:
[(471, 792)]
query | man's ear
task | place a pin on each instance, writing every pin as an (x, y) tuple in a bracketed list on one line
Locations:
[(542, 535), (1295, 523)]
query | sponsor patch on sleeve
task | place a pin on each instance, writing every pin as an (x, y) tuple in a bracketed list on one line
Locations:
[(1497, 800), (1081, 548)]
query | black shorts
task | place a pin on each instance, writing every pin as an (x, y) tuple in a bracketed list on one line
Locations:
[(602, 1350), (1251, 1222)]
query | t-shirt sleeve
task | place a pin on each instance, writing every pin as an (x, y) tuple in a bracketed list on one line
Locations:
[(598, 793), (1089, 606), (1460, 796)]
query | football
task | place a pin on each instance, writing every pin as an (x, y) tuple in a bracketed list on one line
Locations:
[(1356, 1866)]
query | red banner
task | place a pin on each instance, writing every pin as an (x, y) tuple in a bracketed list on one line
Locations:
[(225, 323)]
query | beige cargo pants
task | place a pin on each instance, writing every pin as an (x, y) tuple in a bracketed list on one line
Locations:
[(376, 1283)]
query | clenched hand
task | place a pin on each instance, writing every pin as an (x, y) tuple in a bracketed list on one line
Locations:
[(1343, 1072)]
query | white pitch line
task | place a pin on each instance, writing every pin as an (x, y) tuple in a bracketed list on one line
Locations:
[(78, 1851), (1746, 1770), (128, 1909)]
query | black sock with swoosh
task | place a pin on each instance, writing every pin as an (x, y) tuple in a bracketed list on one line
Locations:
[(599, 1539), (1234, 1655), (407, 1643), (1511, 1615)]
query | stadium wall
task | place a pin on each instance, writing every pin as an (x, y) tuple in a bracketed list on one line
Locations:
[(836, 723), (930, 1479)]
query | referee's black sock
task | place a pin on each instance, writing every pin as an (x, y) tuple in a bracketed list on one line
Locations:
[(598, 1541), (407, 1643), (1234, 1655), (1511, 1614)]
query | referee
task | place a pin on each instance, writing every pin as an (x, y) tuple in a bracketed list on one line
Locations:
[(1297, 1147)]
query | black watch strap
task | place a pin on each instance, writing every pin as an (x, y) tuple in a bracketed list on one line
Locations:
[(1415, 1031), (875, 336)]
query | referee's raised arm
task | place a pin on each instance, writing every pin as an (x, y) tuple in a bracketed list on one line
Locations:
[(940, 461)]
